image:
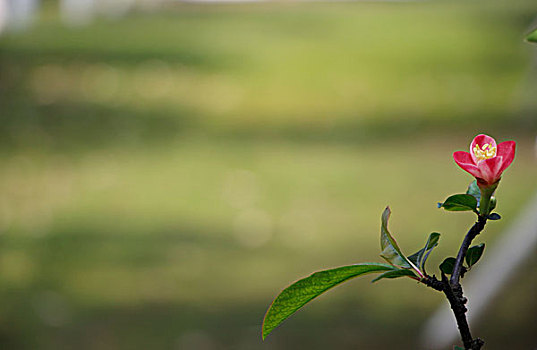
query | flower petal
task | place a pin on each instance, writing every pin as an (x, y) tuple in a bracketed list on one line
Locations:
[(507, 151), (491, 169), (481, 140), (465, 161)]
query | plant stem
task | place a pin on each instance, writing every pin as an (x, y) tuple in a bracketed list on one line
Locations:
[(453, 290), (485, 201), (472, 233), (457, 303)]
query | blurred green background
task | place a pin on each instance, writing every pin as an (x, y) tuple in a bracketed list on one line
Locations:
[(166, 174)]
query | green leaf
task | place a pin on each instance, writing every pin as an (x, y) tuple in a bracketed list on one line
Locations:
[(474, 190), (458, 348), (474, 254), (532, 37), (390, 249), (460, 202), (494, 216), (396, 273), (447, 265), (421, 256), (301, 292)]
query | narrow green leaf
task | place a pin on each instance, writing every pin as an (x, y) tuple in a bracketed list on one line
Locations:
[(396, 273), (494, 216), (390, 249), (301, 292), (447, 265), (460, 202), (421, 255), (458, 348), (532, 37), (474, 190), (432, 241), (474, 254), (425, 257)]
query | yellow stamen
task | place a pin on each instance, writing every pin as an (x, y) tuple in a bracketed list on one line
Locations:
[(485, 152)]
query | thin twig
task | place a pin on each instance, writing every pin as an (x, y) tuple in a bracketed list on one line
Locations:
[(472, 233), (453, 290), (457, 303)]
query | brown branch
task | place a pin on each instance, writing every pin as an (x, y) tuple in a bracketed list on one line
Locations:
[(457, 302), (453, 290), (472, 233)]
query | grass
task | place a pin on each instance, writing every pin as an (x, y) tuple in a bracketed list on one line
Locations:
[(164, 176)]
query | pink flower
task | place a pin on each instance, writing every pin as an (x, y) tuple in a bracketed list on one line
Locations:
[(486, 160)]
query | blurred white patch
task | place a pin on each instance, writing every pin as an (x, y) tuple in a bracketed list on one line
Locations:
[(253, 228), (240, 189), (77, 12), (195, 340), (20, 14), (52, 309), (115, 8), (3, 15)]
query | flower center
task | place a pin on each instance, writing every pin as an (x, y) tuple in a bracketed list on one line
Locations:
[(485, 152)]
